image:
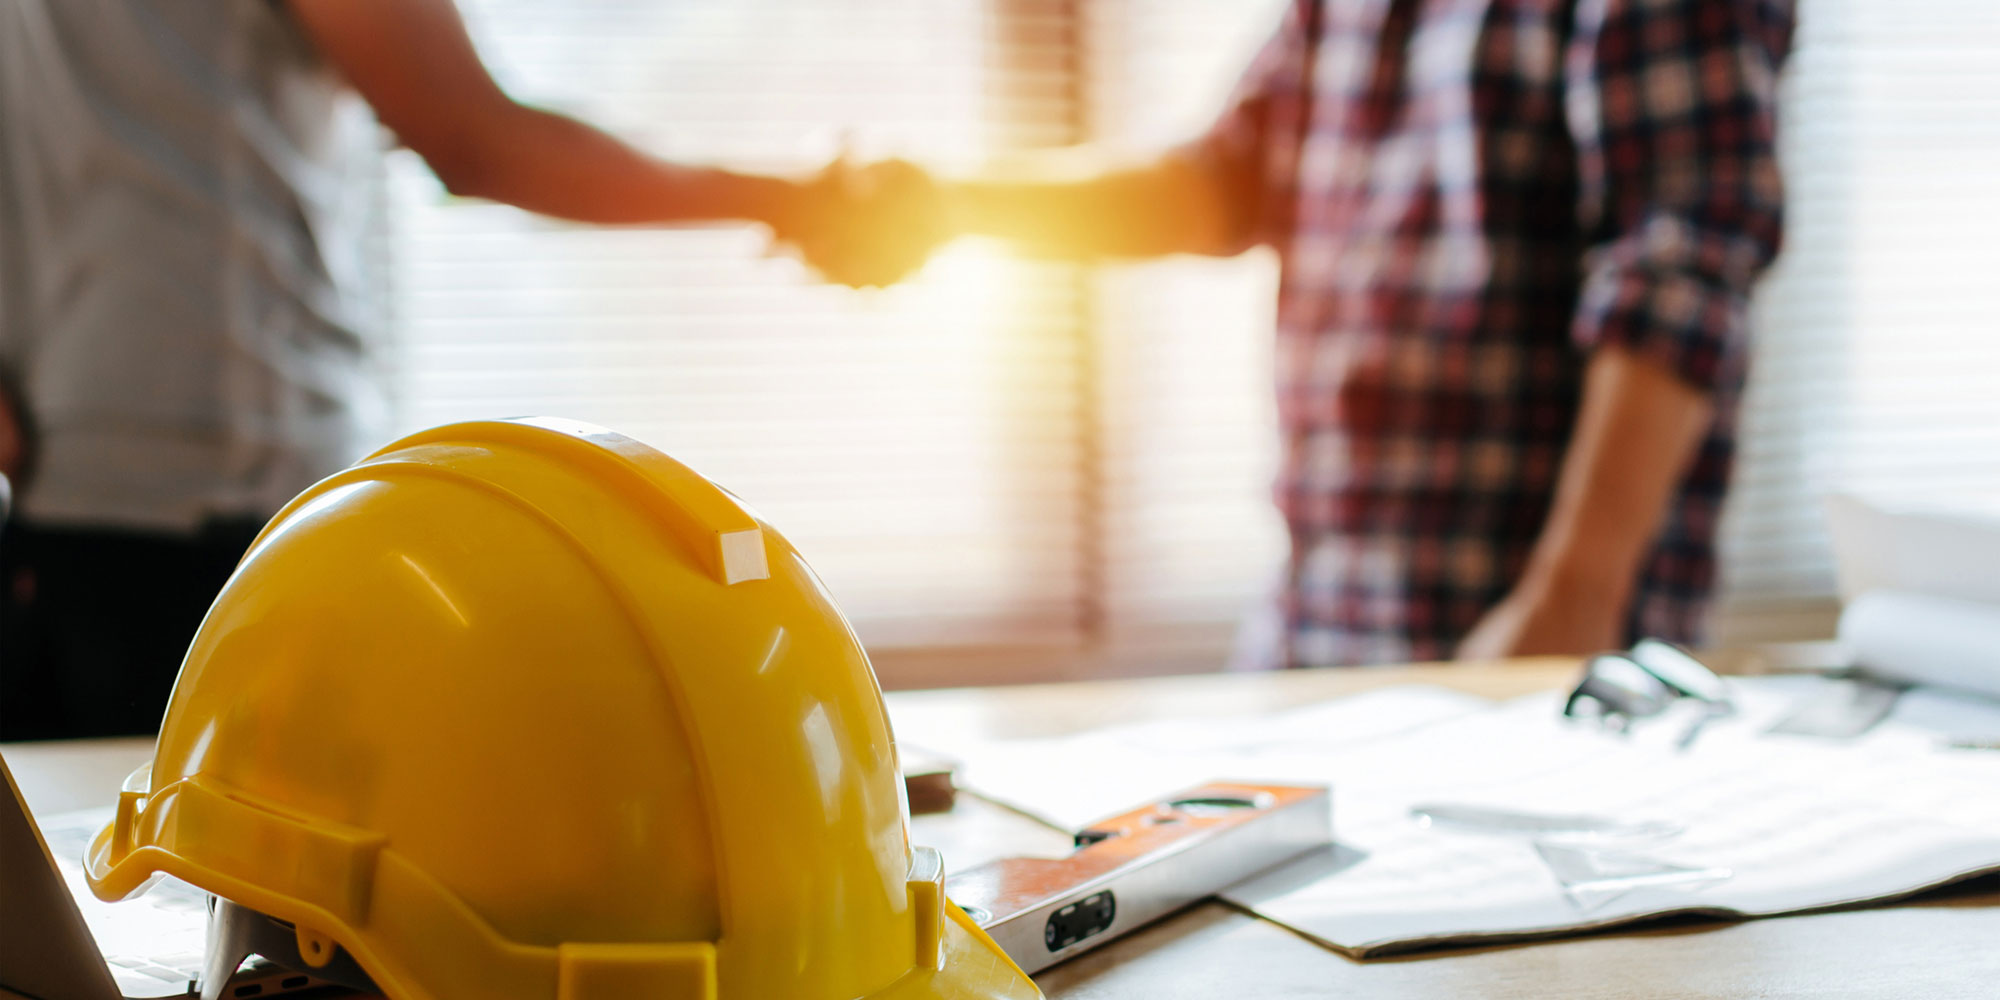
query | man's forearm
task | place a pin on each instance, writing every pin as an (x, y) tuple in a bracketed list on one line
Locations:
[(1166, 207), (415, 65), (1637, 429), (557, 166)]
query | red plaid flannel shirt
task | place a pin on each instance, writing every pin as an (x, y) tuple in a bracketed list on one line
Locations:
[(1468, 197)]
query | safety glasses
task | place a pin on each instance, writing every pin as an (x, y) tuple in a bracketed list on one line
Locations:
[(1621, 688)]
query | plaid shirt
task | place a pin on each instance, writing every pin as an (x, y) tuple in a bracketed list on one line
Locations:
[(1468, 197)]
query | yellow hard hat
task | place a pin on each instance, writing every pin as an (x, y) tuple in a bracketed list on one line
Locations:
[(527, 710)]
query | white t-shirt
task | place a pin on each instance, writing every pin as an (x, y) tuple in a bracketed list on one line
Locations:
[(188, 305)]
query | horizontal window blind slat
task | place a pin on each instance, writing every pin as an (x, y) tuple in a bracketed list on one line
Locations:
[(1876, 369)]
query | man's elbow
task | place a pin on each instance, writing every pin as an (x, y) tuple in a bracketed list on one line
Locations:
[(469, 153), (465, 173)]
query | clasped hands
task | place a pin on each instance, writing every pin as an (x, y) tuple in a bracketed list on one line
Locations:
[(865, 226)]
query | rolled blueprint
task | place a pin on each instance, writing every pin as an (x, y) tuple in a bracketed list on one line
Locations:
[(1920, 639)]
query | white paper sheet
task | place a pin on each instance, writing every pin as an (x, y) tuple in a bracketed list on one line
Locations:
[(1922, 596), (154, 943), (1924, 639), (1921, 550), (1769, 824)]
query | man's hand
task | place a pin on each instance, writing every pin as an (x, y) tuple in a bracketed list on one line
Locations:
[(872, 225), (867, 226), (1546, 617)]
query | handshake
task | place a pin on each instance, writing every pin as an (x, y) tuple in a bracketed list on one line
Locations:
[(865, 226)]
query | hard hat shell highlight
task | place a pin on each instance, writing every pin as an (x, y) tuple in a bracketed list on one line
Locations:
[(526, 709)]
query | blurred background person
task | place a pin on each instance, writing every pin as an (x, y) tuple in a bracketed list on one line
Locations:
[(1517, 244), (183, 342)]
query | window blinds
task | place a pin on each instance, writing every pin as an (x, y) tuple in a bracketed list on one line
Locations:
[(919, 445), (1185, 351), (1876, 358), (1004, 470)]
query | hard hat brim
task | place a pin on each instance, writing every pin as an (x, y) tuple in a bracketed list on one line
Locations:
[(970, 965)]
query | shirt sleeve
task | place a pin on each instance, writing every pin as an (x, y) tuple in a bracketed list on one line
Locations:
[(1253, 147), (1672, 104)]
